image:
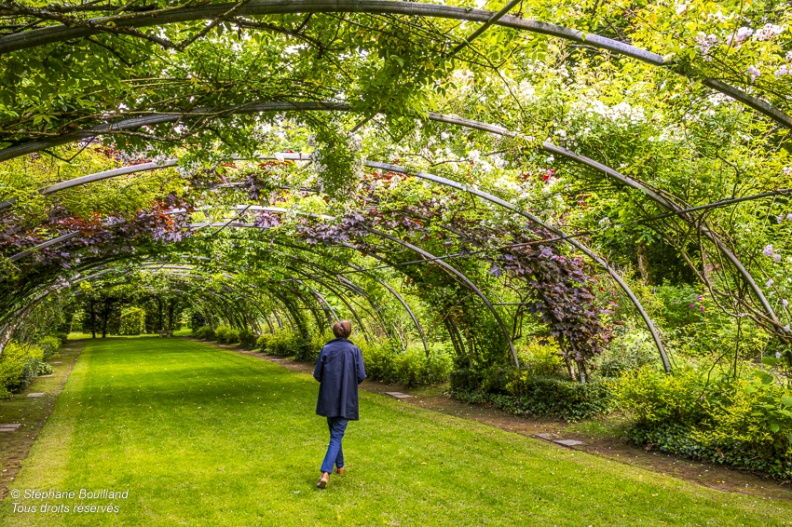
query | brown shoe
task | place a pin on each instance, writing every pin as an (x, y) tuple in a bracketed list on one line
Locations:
[(339, 470), (322, 483)]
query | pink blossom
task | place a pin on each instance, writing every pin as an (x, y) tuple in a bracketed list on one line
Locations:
[(754, 72)]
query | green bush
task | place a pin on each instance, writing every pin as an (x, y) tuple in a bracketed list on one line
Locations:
[(385, 361), (378, 358), (19, 365), (50, 346), (745, 422), (308, 349), (283, 343), (44, 368), (226, 335), (205, 333), (521, 393), (247, 339), (541, 357)]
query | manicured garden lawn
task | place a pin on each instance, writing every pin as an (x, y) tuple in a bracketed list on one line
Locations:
[(202, 436)]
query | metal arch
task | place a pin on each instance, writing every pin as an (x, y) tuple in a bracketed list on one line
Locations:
[(347, 302), (452, 270), (381, 282), (231, 287), (495, 129), (269, 291), (330, 313), (351, 285), (46, 35), (29, 147), (346, 282), (465, 280), (344, 300), (554, 230), (536, 220)]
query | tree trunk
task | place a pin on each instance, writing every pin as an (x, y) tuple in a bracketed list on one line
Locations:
[(93, 319), (105, 317)]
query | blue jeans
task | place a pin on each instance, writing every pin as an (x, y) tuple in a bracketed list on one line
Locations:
[(337, 426)]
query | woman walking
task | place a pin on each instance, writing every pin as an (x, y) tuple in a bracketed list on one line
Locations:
[(339, 369)]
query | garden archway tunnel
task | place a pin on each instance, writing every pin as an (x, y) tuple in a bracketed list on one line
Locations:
[(525, 260)]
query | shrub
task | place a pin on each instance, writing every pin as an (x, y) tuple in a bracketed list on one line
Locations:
[(44, 368), (521, 393), (378, 360), (247, 339), (541, 357), (283, 343), (549, 396), (308, 349), (631, 349), (745, 422), (19, 364), (386, 362), (205, 333), (226, 335), (49, 346)]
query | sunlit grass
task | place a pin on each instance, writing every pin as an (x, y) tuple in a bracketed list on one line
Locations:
[(202, 436)]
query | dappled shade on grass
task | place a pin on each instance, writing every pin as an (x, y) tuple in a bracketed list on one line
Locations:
[(205, 436)]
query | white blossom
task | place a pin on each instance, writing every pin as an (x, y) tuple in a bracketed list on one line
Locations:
[(754, 72), (770, 283), (783, 70), (768, 32), (705, 43)]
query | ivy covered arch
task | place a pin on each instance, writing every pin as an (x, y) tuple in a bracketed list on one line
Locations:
[(203, 119)]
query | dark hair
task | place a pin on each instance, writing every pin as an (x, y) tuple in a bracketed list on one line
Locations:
[(342, 329)]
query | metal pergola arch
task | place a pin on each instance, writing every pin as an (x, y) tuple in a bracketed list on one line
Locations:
[(51, 34), (466, 281), (322, 300), (453, 271), (647, 191), (384, 284)]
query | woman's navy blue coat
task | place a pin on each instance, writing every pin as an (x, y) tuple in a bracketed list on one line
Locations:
[(339, 369)]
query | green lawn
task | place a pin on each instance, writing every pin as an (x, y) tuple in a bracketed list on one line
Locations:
[(202, 436)]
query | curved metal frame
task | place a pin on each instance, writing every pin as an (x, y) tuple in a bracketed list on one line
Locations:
[(547, 146), (47, 35)]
